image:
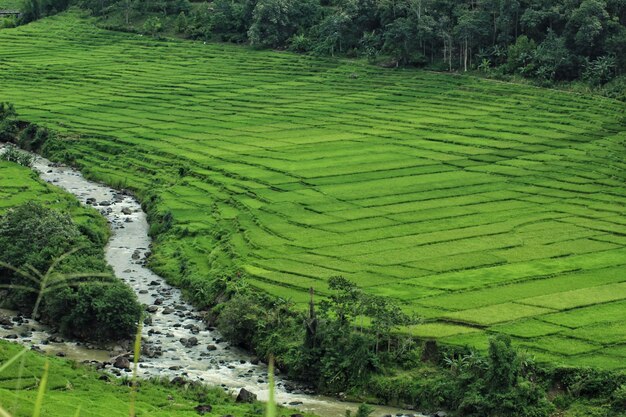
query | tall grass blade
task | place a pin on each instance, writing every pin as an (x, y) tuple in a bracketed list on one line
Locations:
[(271, 402), (136, 353), (4, 413), (42, 390)]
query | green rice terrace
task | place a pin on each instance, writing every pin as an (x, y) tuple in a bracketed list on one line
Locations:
[(484, 207)]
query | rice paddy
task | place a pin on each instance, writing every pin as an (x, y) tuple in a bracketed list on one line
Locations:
[(484, 207)]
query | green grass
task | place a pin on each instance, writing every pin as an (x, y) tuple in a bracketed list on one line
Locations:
[(71, 387), (11, 4), (483, 206), (19, 185)]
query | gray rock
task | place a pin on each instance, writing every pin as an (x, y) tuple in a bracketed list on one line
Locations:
[(188, 343), (121, 362), (245, 396), (203, 409)]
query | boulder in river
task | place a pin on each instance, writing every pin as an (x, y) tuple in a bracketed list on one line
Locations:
[(127, 211), (122, 362), (191, 342), (245, 396), (211, 347)]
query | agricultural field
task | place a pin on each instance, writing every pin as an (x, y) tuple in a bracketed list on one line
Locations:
[(10, 4), (19, 185), (483, 207)]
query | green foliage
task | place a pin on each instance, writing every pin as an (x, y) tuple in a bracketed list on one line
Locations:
[(34, 237), (364, 410), (274, 22), (8, 122), (12, 154), (440, 34), (152, 26), (75, 389), (619, 398), (181, 25), (600, 71), (521, 55), (32, 10), (8, 22)]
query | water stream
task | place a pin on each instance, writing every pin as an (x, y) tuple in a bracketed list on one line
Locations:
[(176, 340)]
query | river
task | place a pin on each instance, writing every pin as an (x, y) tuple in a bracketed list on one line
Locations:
[(176, 340)]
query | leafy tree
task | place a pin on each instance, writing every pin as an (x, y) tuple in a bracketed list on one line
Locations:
[(521, 56), (553, 60), (275, 21), (587, 26), (152, 26), (600, 71), (331, 33), (181, 25)]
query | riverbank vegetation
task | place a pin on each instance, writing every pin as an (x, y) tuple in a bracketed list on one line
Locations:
[(52, 261), (75, 389)]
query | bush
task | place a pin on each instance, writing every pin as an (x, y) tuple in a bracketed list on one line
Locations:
[(94, 306), (12, 154), (8, 22), (619, 398), (8, 122), (152, 26)]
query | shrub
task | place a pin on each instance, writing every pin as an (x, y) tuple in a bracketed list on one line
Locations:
[(8, 122), (92, 305), (12, 154), (152, 26)]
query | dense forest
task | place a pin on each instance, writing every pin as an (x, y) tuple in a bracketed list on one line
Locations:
[(549, 41)]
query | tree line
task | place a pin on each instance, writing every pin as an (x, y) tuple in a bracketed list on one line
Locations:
[(560, 40)]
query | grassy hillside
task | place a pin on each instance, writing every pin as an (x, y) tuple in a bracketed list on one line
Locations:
[(484, 207), (72, 387), (19, 185), (10, 4)]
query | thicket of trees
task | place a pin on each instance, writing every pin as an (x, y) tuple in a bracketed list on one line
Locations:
[(547, 40), (350, 342)]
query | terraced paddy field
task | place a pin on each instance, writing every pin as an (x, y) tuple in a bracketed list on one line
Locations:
[(484, 207), (19, 185)]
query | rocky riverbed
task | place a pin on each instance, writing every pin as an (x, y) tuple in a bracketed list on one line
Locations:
[(176, 341)]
